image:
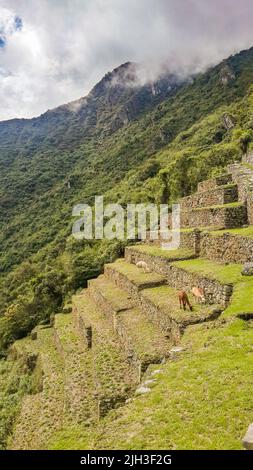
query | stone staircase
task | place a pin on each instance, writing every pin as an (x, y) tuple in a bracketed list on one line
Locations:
[(93, 359), (114, 377)]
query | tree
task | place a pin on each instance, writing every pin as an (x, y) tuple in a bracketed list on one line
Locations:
[(245, 140)]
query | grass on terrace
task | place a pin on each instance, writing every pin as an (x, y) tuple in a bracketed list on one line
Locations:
[(112, 373), (147, 340), (225, 274), (243, 232), (182, 253), (166, 299), (118, 298), (135, 275), (183, 410), (35, 428), (242, 298)]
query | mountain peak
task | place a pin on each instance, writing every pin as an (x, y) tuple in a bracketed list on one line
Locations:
[(124, 76)]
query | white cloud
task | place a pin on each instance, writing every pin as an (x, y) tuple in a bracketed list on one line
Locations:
[(65, 47)]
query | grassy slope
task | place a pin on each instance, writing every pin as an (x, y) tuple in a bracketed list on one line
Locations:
[(201, 401), (183, 409)]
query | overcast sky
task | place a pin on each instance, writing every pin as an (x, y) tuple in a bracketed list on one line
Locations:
[(54, 51)]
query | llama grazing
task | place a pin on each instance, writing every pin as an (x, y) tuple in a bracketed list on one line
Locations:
[(142, 265), (184, 300), (199, 294)]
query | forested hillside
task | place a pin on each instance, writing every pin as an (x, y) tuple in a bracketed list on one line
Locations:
[(131, 143)]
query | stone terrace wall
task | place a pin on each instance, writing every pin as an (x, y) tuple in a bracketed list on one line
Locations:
[(217, 196), (188, 239), (225, 247), (223, 217), (243, 177), (208, 185), (250, 207), (215, 292), (191, 240), (157, 264)]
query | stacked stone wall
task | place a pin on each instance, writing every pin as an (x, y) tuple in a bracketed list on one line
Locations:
[(178, 278), (226, 248), (215, 292), (217, 196), (222, 217), (210, 184)]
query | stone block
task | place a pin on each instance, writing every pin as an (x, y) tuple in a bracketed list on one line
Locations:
[(247, 441), (247, 269)]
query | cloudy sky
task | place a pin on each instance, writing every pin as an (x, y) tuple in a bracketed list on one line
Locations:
[(54, 51)]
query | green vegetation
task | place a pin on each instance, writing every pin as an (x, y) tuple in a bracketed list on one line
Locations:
[(139, 150), (118, 298), (242, 232), (15, 381), (135, 275), (63, 158), (112, 375), (241, 302), (166, 299)]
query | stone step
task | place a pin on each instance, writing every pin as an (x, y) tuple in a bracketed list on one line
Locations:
[(24, 434), (180, 274), (78, 371), (227, 247), (243, 177), (143, 341), (161, 305), (225, 216), (164, 263), (213, 183), (130, 278), (217, 196), (109, 298), (114, 376), (128, 321)]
